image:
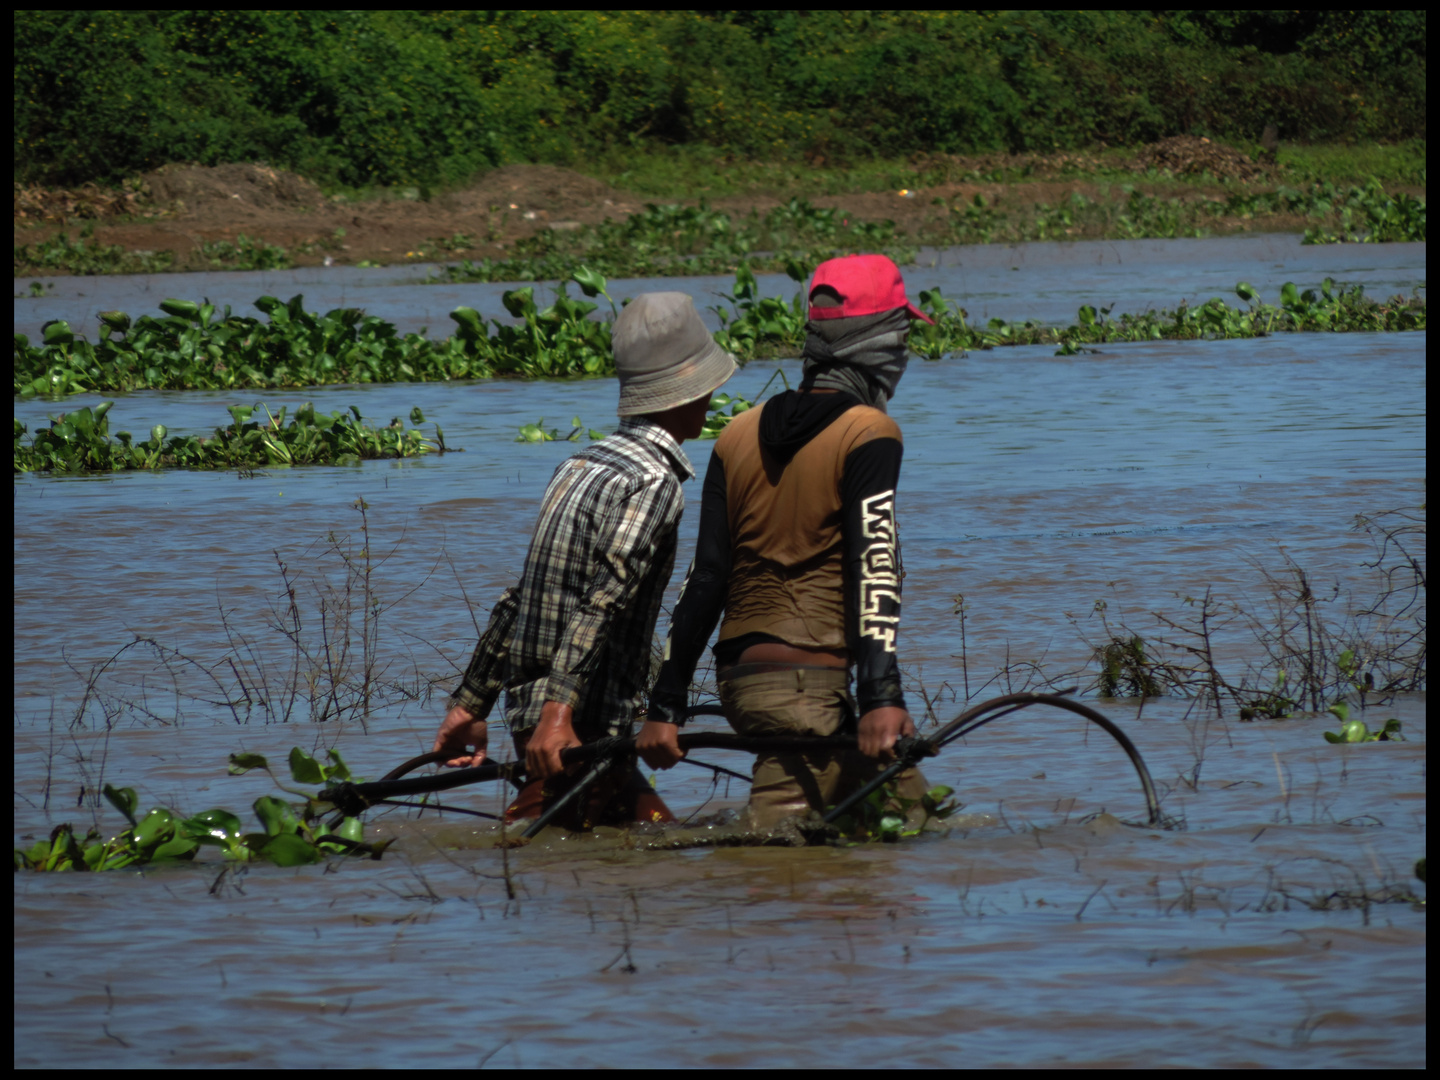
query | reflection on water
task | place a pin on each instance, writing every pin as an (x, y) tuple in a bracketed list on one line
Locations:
[(1036, 933)]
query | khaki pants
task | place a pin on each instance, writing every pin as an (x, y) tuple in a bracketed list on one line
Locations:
[(765, 699)]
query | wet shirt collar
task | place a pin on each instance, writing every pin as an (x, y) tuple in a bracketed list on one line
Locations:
[(643, 428)]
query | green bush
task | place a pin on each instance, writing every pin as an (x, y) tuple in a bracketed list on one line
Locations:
[(428, 98)]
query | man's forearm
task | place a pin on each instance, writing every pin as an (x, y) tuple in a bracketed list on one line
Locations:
[(873, 572), (702, 599)]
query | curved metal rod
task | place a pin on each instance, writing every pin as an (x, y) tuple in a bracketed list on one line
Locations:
[(597, 770), (973, 719), (353, 798), (434, 756)]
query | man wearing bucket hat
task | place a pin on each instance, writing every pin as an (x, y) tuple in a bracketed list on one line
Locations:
[(570, 644), (798, 547)]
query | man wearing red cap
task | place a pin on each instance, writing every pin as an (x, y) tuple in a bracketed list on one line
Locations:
[(798, 547)]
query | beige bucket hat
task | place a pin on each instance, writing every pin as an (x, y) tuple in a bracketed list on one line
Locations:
[(664, 355)]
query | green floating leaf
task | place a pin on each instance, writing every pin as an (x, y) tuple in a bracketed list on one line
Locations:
[(338, 770), (58, 332), (938, 794), (218, 824), (304, 768), (157, 826), (351, 828), (469, 321), (184, 309), (290, 850), (277, 816), (591, 282), (123, 799), (242, 763), (180, 847), (1354, 731)]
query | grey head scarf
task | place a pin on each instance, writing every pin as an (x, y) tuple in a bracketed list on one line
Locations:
[(864, 355)]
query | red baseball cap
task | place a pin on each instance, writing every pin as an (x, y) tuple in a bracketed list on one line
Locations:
[(867, 284)]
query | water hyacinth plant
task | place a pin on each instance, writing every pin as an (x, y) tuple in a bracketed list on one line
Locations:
[(886, 816), (79, 441), (245, 254), (194, 346), (60, 253), (1368, 215), (1361, 213), (669, 241), (756, 326), (534, 433), (1355, 731), (294, 834)]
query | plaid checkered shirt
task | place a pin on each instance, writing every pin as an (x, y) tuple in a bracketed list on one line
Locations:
[(577, 628)]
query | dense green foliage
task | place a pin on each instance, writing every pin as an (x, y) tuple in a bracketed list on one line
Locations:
[(190, 348), (758, 326), (1358, 213), (81, 256), (362, 97), (193, 348), (293, 834), (1332, 309), (79, 441)]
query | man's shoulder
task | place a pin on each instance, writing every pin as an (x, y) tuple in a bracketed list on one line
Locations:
[(625, 453), (863, 424), (643, 447), (875, 422), (631, 466), (743, 427)]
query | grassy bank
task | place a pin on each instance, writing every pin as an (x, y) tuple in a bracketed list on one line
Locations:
[(690, 172), (673, 239)]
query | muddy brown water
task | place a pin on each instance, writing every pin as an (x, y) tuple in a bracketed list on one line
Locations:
[(1042, 929)]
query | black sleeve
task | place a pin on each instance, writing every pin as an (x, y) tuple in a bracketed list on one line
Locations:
[(872, 571), (702, 598)]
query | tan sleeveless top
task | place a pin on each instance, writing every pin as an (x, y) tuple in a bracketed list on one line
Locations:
[(786, 576)]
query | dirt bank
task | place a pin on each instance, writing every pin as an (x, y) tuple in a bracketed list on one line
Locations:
[(180, 207)]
